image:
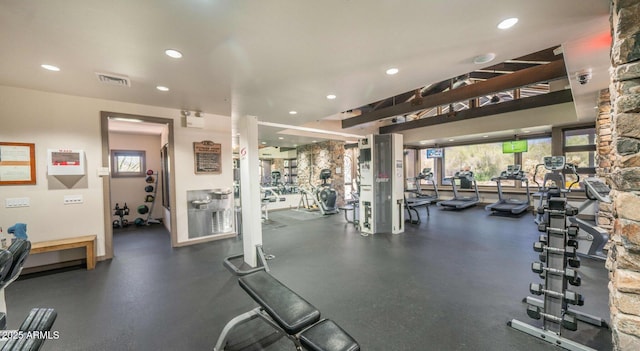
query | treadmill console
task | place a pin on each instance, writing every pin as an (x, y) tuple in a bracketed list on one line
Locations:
[(597, 190), (554, 163)]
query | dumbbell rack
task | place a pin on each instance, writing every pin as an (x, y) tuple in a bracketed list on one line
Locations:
[(153, 194), (558, 267)]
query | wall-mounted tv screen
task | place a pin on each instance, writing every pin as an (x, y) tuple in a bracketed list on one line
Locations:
[(434, 153), (510, 147)]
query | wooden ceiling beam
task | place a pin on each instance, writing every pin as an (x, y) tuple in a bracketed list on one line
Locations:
[(550, 71), (553, 98)]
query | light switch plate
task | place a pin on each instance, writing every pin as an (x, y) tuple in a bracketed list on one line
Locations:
[(73, 199), (17, 202)]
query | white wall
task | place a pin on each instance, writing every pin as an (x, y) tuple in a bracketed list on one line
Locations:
[(63, 121), (130, 190)]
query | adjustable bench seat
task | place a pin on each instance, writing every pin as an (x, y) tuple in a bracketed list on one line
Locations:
[(288, 312), (327, 335)]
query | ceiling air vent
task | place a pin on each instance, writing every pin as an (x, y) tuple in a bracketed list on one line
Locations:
[(112, 79)]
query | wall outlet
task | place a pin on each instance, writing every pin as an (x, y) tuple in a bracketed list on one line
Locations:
[(73, 199), (17, 202)]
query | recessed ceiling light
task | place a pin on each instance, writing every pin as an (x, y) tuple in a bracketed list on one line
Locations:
[(485, 58), (314, 141), (392, 71), (281, 138), (162, 88), (331, 96), (527, 131), (485, 136), (451, 139), (173, 53), (293, 112), (295, 145), (50, 67), (423, 142), (508, 23), (264, 143)]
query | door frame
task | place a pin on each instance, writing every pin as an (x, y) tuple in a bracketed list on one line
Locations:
[(106, 180)]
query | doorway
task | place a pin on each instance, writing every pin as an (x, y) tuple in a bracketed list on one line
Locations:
[(128, 168)]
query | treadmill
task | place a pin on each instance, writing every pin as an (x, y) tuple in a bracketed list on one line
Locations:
[(510, 205), (416, 190), (461, 202)]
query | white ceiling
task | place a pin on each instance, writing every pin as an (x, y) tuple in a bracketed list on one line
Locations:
[(268, 57)]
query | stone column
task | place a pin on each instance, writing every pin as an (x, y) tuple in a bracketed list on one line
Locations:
[(624, 253), (314, 157), (605, 156)]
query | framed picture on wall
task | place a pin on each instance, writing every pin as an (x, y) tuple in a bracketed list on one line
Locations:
[(207, 157), (17, 163)]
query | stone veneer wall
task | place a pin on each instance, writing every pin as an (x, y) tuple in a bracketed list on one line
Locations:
[(314, 157), (624, 176), (605, 157)]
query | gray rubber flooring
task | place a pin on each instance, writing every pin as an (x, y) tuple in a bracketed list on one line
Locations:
[(450, 283)]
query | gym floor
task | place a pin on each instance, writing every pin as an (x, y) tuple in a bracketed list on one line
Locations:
[(450, 283)]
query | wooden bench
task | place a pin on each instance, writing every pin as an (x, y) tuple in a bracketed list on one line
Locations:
[(88, 242)]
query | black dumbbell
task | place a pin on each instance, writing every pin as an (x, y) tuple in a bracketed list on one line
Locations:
[(570, 251), (572, 230), (572, 277), (542, 227), (533, 312), (573, 243), (537, 267), (535, 288), (571, 211), (573, 298), (538, 246), (573, 262), (569, 322)]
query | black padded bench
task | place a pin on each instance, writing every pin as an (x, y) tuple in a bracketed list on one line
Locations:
[(286, 311), (412, 204)]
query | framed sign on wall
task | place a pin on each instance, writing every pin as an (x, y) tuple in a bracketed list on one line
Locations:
[(17, 163), (206, 157)]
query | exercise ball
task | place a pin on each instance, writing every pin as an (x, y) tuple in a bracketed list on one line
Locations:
[(142, 209), (139, 221), (149, 179), (149, 172), (148, 188)]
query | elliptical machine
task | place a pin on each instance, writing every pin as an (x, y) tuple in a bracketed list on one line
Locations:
[(326, 196), (592, 238), (553, 183)]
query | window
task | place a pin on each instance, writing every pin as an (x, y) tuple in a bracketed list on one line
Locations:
[(128, 163), (538, 149), (579, 147), (484, 160)]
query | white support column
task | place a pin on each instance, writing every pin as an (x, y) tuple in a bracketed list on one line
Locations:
[(250, 188)]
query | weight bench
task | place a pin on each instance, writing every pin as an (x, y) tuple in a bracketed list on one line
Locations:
[(353, 207), (412, 204), (290, 315)]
